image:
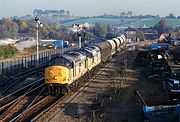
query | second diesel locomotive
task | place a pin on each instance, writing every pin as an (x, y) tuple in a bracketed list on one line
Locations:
[(63, 71)]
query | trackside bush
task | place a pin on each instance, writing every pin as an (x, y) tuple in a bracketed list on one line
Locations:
[(7, 51)]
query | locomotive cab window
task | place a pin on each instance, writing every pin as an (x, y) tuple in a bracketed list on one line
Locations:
[(60, 61)]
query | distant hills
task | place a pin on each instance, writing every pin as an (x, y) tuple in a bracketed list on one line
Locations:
[(149, 22)]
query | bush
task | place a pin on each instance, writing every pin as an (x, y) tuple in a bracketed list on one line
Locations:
[(7, 51)]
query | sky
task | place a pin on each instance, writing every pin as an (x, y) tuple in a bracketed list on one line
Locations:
[(10, 8)]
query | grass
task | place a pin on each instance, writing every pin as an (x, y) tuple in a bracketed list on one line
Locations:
[(150, 22), (101, 20)]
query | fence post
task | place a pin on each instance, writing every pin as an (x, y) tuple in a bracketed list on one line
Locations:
[(39, 59), (22, 63), (34, 60), (0, 68), (42, 57), (11, 66), (3, 68), (18, 64), (31, 60), (46, 56), (25, 62), (49, 52), (15, 65), (8, 67)]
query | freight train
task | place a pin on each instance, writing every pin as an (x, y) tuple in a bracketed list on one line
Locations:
[(63, 71)]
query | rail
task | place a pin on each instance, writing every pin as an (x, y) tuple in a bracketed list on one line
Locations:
[(19, 101)]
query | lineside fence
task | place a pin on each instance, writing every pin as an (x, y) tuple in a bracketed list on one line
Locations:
[(16, 65)]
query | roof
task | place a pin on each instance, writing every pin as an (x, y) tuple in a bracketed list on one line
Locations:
[(129, 29), (131, 36)]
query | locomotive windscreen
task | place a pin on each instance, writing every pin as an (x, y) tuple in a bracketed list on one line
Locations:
[(60, 61)]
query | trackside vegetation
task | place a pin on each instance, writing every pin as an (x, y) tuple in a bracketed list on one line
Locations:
[(7, 51)]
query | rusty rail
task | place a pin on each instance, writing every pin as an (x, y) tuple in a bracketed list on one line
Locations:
[(27, 113), (141, 98), (13, 94), (15, 104)]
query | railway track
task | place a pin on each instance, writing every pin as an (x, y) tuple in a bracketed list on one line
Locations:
[(23, 102), (16, 98), (5, 79), (11, 82), (8, 99), (27, 114)]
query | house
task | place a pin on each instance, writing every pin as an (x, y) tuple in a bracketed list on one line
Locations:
[(130, 34)]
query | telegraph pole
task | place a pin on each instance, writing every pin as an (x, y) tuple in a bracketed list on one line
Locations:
[(38, 23), (79, 35), (37, 46)]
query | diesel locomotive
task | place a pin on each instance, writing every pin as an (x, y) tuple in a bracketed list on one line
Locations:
[(63, 71)]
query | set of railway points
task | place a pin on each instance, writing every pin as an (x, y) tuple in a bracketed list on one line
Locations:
[(15, 90)]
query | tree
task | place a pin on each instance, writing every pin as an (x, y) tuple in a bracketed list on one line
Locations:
[(45, 31), (23, 27), (162, 26), (171, 15), (100, 30), (9, 28), (56, 26), (140, 35), (88, 35), (14, 29)]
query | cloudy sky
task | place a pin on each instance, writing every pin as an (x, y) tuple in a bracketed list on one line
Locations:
[(90, 7)]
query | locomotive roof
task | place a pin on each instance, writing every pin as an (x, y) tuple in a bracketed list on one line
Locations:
[(92, 50), (96, 48), (74, 56), (89, 51)]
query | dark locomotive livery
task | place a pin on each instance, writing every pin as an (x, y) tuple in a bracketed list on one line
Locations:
[(63, 71)]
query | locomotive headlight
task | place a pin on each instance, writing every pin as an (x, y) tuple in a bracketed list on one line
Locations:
[(55, 78), (64, 79)]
